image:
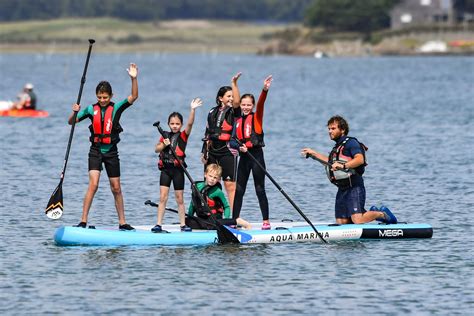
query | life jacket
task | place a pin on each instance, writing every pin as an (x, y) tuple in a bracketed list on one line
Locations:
[(178, 143), (213, 206), (103, 129), (30, 101), (220, 123), (245, 132), (342, 178)]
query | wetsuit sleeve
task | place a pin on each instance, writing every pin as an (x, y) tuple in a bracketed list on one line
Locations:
[(258, 118), (85, 113), (122, 105)]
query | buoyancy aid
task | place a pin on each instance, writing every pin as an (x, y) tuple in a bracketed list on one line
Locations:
[(178, 142), (342, 178), (103, 129), (245, 132), (214, 206), (220, 123), (30, 101)]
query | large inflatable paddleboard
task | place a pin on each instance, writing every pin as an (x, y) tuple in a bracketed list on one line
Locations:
[(280, 233)]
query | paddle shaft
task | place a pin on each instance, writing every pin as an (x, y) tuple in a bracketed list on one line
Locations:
[(152, 204), (281, 190), (79, 95)]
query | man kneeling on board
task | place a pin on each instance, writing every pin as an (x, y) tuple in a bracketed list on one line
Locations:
[(345, 166)]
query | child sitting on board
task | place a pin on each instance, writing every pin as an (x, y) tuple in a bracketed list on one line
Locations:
[(218, 207)]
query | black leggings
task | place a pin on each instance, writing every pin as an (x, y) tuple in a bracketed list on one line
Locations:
[(247, 164)]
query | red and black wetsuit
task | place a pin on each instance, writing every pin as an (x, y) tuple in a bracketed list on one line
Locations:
[(248, 129)]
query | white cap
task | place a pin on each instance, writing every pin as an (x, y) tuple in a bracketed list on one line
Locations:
[(29, 86)]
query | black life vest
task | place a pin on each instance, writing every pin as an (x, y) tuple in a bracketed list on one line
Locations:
[(245, 132), (220, 123), (104, 130), (342, 178), (30, 101), (213, 206), (178, 142)]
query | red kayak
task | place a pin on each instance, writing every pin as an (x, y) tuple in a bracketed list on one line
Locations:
[(24, 113)]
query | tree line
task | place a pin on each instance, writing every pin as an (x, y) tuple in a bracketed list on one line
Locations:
[(364, 16), (153, 10)]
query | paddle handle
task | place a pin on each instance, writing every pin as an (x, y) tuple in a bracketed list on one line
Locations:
[(79, 95)]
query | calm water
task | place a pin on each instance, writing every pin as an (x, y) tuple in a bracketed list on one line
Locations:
[(415, 114)]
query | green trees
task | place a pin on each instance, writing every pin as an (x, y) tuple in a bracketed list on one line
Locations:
[(363, 16), (147, 10)]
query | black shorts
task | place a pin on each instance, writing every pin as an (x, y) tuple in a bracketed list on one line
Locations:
[(110, 159), (228, 164), (175, 174)]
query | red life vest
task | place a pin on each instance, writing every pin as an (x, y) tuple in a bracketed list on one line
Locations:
[(220, 123), (178, 142), (103, 130), (245, 132)]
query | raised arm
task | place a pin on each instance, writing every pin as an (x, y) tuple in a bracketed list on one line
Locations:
[(133, 73), (235, 90), (260, 104), (195, 103)]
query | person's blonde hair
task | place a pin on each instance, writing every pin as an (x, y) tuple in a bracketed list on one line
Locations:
[(214, 168)]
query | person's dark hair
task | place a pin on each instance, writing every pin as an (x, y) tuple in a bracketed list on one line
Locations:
[(248, 95), (103, 87), (175, 114), (341, 123), (222, 90)]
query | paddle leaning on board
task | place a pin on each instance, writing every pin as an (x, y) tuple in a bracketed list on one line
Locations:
[(54, 209)]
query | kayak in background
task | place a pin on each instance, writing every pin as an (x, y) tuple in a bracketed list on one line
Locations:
[(24, 113), (6, 105), (281, 233)]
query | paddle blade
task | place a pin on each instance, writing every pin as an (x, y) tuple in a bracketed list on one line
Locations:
[(242, 237), (54, 209)]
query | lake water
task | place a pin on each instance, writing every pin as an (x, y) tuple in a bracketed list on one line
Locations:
[(416, 115)]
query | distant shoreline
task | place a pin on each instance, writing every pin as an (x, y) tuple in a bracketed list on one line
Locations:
[(209, 38)]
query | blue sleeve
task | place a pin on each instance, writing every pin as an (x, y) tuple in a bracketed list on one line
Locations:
[(353, 148)]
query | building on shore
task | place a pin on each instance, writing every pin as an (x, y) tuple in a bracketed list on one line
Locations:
[(414, 13)]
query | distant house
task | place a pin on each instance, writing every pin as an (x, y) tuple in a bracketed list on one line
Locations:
[(410, 13)]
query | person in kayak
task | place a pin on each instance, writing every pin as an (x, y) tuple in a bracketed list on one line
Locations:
[(105, 128), (171, 170), (216, 147), (347, 160), (248, 130), (217, 205), (26, 99)]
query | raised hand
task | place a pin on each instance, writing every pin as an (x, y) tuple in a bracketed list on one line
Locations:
[(195, 103), (267, 82), (132, 70), (236, 77)]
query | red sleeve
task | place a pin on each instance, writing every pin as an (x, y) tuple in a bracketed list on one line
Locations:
[(258, 118), (184, 136)]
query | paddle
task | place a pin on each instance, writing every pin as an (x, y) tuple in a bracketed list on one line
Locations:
[(202, 221), (54, 209), (223, 235), (281, 190), (324, 163)]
